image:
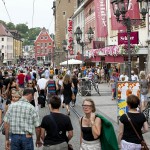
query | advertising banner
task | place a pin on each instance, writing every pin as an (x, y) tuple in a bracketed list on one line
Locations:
[(100, 16), (122, 38), (124, 89), (70, 36), (133, 13)]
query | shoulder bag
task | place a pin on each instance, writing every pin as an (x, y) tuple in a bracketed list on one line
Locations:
[(70, 147), (143, 143)]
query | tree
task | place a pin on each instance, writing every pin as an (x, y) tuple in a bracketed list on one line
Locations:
[(4, 23), (22, 28), (11, 26)]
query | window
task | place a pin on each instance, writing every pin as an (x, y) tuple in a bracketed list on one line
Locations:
[(50, 44), (45, 44), (38, 44), (46, 37), (41, 38), (69, 1), (2, 39), (41, 44)]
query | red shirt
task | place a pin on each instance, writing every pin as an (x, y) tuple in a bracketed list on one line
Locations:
[(21, 77)]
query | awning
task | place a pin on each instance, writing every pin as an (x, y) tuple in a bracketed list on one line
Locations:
[(114, 59)]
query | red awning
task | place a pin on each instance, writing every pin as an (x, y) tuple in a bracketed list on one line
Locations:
[(95, 59), (114, 59)]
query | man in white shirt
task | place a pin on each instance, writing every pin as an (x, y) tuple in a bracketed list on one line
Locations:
[(41, 83), (47, 73)]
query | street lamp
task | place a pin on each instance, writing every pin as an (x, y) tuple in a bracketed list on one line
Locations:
[(120, 8), (78, 34), (64, 44)]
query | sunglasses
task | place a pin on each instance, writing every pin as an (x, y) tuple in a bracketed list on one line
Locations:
[(86, 105), (30, 83)]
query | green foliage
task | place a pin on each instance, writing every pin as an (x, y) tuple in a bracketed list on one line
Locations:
[(10, 26)]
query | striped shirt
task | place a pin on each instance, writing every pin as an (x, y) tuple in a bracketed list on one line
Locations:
[(51, 87), (22, 117)]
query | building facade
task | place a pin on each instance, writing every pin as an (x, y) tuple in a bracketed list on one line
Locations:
[(44, 48), (17, 46), (6, 45), (105, 48)]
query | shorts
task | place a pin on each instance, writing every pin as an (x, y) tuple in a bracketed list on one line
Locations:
[(144, 98)]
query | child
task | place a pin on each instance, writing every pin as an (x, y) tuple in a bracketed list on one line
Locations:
[(112, 84)]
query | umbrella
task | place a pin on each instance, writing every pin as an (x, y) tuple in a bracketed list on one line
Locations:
[(71, 62)]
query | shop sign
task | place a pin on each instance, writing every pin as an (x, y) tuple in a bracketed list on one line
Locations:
[(70, 35), (123, 39)]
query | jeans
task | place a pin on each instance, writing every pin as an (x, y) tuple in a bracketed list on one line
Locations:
[(21, 142)]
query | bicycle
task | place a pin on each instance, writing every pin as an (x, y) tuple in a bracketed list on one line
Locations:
[(86, 86), (146, 111)]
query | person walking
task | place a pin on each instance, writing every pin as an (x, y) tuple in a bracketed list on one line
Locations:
[(75, 88), (55, 126), (144, 90), (67, 92), (90, 127), (127, 138), (20, 120), (21, 79), (50, 87), (41, 84)]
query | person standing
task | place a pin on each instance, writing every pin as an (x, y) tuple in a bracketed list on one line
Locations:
[(46, 73), (143, 90), (127, 138), (90, 127), (55, 126), (20, 120)]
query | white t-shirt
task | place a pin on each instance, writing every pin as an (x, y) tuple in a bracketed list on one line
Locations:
[(42, 83)]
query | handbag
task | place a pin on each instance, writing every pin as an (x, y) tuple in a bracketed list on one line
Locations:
[(143, 143)]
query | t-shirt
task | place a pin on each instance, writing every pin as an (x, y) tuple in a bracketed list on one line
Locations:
[(138, 120), (21, 78), (63, 124)]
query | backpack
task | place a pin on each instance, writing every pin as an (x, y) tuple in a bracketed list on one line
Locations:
[(51, 87)]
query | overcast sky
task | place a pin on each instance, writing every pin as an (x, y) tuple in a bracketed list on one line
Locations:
[(21, 11)]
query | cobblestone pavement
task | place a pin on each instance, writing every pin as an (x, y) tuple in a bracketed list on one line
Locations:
[(104, 106)]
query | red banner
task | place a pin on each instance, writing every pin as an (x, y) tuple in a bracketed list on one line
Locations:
[(100, 16), (133, 13), (70, 35), (122, 38)]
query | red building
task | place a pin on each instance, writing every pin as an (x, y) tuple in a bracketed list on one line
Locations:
[(44, 48)]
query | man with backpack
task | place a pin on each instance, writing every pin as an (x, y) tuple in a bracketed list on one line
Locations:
[(50, 87)]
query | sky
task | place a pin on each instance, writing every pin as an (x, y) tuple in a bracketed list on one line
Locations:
[(21, 11)]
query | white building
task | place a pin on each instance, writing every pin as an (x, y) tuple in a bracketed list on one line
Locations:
[(6, 45)]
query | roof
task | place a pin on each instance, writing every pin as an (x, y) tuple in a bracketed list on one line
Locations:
[(4, 31)]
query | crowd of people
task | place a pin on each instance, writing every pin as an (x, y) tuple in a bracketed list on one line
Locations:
[(28, 89)]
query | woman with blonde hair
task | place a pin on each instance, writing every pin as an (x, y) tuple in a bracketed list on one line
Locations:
[(143, 90), (67, 92)]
